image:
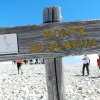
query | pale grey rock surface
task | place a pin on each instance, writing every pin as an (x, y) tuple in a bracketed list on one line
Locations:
[(31, 85)]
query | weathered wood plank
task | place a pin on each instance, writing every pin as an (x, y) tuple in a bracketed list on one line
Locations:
[(60, 78), (54, 77), (51, 79), (27, 35), (53, 66), (52, 14), (26, 56)]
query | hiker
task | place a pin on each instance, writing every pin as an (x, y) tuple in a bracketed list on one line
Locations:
[(42, 61), (25, 61), (19, 64), (31, 61), (98, 62), (14, 62), (86, 62), (36, 61)]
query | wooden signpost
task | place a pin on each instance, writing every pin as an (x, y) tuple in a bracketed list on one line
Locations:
[(53, 66), (52, 40)]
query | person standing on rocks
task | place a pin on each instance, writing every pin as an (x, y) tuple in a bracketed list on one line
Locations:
[(98, 63), (86, 62), (19, 64), (25, 61), (14, 62), (36, 61)]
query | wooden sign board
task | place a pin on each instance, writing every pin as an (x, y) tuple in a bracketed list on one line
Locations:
[(55, 39)]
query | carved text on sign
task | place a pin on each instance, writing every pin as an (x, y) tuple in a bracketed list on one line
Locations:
[(66, 43), (75, 30), (62, 45)]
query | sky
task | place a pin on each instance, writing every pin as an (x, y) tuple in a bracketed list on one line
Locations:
[(29, 12)]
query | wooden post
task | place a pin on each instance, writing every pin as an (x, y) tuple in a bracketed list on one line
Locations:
[(53, 66), (54, 77), (52, 14)]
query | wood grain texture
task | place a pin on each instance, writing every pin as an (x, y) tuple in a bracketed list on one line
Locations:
[(51, 79), (54, 78), (27, 35), (53, 66), (52, 14), (60, 78)]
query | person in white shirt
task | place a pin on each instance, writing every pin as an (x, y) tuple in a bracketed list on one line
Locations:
[(86, 62)]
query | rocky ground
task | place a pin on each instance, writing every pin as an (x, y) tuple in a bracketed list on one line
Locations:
[(31, 84), (78, 87)]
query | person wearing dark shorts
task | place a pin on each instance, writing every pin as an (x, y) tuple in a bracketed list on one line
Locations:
[(85, 64), (19, 63)]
